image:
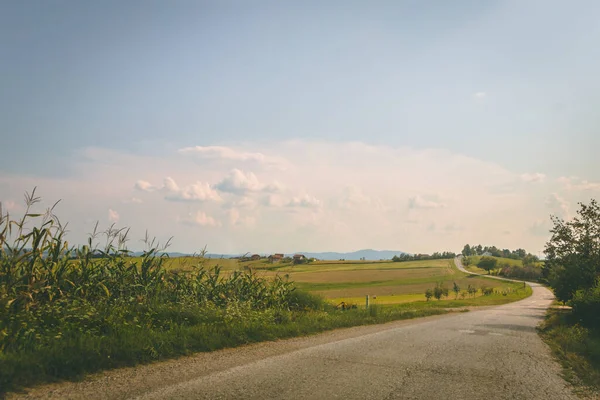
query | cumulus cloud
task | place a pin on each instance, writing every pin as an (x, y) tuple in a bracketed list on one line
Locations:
[(113, 216), (305, 201), (535, 177), (418, 202), (145, 186), (200, 218), (240, 182), (199, 191), (336, 196)]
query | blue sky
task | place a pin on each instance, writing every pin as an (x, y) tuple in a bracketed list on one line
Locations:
[(97, 97)]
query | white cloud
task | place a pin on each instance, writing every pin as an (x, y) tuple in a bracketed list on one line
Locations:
[(332, 196), (200, 218), (145, 186), (576, 183), (239, 182), (418, 202), (113, 216), (199, 191), (479, 95), (245, 202), (305, 201), (223, 152), (534, 177)]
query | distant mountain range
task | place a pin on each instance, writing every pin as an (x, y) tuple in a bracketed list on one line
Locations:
[(367, 254)]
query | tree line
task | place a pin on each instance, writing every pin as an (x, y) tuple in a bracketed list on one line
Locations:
[(416, 257), (479, 250)]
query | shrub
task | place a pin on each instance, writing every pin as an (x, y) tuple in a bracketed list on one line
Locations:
[(586, 306), (428, 294)]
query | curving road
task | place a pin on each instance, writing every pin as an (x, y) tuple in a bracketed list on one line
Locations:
[(492, 353)]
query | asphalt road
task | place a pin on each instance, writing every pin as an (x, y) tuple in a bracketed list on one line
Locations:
[(493, 353)]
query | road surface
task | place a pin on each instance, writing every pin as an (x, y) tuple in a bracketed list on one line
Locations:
[(493, 353)]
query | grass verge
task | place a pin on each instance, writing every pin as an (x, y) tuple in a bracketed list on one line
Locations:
[(180, 332), (577, 348)]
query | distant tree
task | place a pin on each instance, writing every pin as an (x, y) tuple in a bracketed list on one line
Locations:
[(478, 250), (466, 261), (487, 263), (428, 294), (456, 290), (445, 291), (471, 290), (438, 291), (530, 260), (520, 253), (467, 251)]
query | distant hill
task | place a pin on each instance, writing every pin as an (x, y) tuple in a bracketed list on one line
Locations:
[(368, 254)]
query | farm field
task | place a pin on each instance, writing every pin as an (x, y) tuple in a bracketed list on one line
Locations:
[(385, 282)]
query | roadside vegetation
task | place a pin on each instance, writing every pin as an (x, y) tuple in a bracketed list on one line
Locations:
[(67, 311), (528, 269), (572, 269)]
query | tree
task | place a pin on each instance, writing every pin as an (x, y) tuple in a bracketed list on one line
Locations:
[(487, 263), (520, 253), (530, 260), (445, 291), (466, 251), (428, 294), (456, 290), (573, 252), (471, 290), (438, 291), (478, 250)]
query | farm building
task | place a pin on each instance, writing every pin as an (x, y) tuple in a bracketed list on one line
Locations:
[(298, 257), (255, 257), (275, 257)]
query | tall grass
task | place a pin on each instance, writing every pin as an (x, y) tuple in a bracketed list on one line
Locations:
[(60, 305), (577, 347)]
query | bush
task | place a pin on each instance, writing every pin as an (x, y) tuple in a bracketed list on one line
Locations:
[(586, 306), (487, 263)]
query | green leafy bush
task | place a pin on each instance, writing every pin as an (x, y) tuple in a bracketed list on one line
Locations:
[(586, 306)]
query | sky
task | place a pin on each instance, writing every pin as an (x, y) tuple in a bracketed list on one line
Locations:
[(272, 126)]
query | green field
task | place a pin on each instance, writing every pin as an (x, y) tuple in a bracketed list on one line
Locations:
[(385, 282)]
